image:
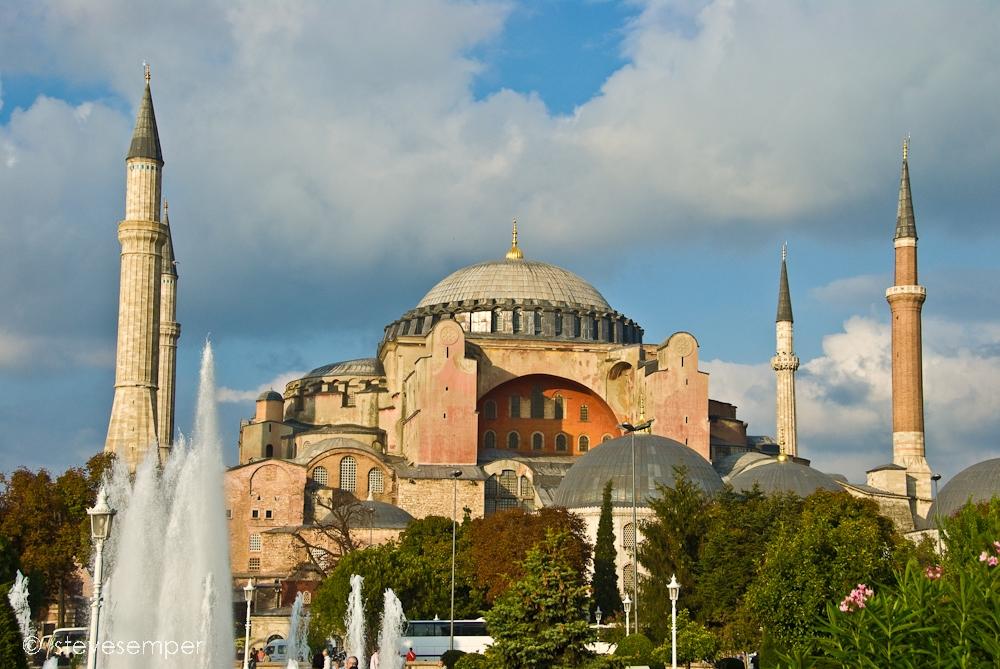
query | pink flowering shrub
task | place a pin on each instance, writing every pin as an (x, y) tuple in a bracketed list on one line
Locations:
[(944, 615)]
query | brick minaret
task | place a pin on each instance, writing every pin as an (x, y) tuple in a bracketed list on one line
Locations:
[(906, 298), (784, 364), (170, 332), (132, 430)]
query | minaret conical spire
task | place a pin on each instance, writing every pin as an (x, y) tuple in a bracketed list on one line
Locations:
[(784, 295), (145, 137), (169, 265), (906, 223)]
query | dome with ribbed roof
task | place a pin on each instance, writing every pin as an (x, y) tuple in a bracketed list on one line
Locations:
[(270, 396), (655, 459), (779, 476), (978, 483), (518, 280)]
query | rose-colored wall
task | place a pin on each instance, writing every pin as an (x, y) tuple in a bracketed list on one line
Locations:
[(601, 420)]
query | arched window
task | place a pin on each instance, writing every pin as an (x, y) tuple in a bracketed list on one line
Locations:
[(321, 476), (254, 543), (349, 474), (307, 597), (490, 439), (537, 441), (513, 440), (628, 537), (559, 323), (628, 579), (376, 481), (584, 413), (559, 407), (507, 494), (515, 406), (561, 442), (527, 489), (584, 444), (490, 409), (606, 437), (269, 451), (537, 402)]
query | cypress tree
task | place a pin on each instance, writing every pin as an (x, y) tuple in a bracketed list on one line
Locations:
[(605, 583), (11, 650)]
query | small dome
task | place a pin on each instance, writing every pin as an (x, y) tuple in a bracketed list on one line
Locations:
[(978, 483), (517, 280), (780, 476), (270, 396), (655, 459), (384, 516), (733, 464)]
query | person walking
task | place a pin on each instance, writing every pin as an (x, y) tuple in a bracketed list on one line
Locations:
[(327, 660), (252, 661), (373, 662)]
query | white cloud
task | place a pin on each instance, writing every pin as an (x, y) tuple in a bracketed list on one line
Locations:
[(844, 396), (232, 395)]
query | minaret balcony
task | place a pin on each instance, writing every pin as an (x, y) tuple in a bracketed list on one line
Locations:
[(893, 291)]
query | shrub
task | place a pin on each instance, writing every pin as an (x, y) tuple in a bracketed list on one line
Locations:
[(472, 661), (451, 657), (637, 649)]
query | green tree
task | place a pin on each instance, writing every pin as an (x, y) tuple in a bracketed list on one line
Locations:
[(542, 619), (500, 542), (11, 648), (604, 584), (694, 643), (837, 542), (637, 649), (671, 545)]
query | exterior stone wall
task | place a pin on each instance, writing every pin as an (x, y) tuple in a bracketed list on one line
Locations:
[(433, 497)]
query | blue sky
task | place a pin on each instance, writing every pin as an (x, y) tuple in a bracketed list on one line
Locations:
[(328, 163)]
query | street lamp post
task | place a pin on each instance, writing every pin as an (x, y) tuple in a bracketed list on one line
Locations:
[(675, 590), (627, 603), (632, 429), (101, 516), (455, 475), (248, 595), (597, 617)]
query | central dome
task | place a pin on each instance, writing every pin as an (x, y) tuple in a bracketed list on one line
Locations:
[(518, 280)]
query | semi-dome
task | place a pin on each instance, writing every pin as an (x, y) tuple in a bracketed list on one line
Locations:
[(518, 280), (978, 483), (655, 459), (780, 476), (357, 367), (734, 463)]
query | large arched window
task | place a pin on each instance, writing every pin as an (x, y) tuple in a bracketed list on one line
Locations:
[(349, 474), (513, 440), (321, 476), (628, 578), (584, 443), (537, 441), (507, 498), (527, 489), (561, 443), (490, 439), (490, 409), (628, 537), (515, 406), (584, 413), (376, 481)]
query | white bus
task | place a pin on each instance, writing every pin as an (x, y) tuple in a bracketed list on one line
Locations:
[(429, 639)]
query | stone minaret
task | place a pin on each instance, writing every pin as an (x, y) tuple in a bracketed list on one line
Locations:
[(133, 428), (170, 332), (784, 364), (906, 298)]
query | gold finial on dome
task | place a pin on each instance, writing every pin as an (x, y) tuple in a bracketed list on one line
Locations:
[(145, 67), (906, 148), (515, 252)]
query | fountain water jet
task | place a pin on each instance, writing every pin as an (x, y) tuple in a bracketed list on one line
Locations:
[(298, 635), (18, 598), (168, 555), (354, 621), (393, 626)]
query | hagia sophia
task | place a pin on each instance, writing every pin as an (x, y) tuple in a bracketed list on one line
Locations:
[(512, 383)]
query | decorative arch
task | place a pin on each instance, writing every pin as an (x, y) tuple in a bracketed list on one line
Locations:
[(547, 405)]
